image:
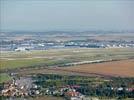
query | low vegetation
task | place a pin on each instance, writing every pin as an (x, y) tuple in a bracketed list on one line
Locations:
[(4, 77)]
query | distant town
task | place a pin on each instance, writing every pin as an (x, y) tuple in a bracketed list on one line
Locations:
[(57, 40)]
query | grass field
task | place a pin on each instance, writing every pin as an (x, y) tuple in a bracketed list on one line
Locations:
[(11, 60), (4, 77)]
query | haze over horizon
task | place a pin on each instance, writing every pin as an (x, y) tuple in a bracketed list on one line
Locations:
[(76, 15)]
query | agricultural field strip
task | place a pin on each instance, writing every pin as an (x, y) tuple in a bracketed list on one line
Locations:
[(23, 59), (62, 52), (66, 53), (122, 68)]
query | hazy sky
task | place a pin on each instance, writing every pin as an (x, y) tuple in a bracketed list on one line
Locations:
[(40, 15)]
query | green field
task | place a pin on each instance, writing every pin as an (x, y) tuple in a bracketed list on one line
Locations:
[(11, 60), (4, 77)]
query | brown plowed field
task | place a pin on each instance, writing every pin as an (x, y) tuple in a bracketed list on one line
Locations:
[(123, 68)]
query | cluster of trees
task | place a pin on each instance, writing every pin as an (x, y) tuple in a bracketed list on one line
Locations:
[(91, 86), (106, 91)]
